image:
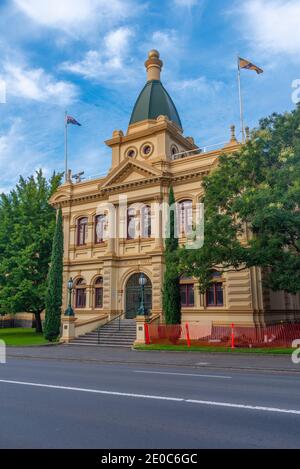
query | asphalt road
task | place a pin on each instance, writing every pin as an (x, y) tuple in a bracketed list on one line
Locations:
[(48, 403)]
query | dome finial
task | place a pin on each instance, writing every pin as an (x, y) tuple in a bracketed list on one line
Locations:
[(153, 65), (153, 54)]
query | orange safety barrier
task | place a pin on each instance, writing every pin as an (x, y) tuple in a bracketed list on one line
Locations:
[(277, 335)]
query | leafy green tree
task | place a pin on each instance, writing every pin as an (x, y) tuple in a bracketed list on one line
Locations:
[(26, 234), (171, 285), (55, 282), (252, 215)]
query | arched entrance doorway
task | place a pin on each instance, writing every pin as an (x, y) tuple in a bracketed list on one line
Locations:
[(133, 296)]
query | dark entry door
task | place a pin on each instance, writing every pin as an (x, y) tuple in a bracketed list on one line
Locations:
[(133, 296)]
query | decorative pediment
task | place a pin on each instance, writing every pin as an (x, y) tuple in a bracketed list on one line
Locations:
[(131, 171), (59, 196)]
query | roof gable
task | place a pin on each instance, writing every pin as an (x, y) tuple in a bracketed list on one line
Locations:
[(130, 170)]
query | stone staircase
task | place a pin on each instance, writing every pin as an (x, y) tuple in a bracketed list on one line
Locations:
[(114, 334)]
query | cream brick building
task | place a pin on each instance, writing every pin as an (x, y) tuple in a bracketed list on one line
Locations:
[(151, 156)]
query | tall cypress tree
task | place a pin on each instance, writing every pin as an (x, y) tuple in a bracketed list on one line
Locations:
[(55, 280), (171, 285)]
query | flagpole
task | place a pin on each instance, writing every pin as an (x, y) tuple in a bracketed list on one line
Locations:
[(241, 101), (66, 146)]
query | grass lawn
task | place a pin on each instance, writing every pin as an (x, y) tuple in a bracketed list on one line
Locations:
[(185, 348), (22, 337)]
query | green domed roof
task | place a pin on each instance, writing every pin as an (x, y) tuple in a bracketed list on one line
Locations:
[(152, 102)]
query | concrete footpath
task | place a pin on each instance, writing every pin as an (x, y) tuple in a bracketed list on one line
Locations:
[(90, 354)]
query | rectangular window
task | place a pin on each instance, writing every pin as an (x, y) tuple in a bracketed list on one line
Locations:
[(187, 295), (191, 298), (219, 294), (215, 295), (183, 295)]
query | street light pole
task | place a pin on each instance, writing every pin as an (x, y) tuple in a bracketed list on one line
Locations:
[(142, 281), (69, 311)]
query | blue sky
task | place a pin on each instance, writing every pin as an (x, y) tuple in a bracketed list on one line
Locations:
[(88, 56)]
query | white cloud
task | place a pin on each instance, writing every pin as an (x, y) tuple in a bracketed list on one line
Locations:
[(171, 47), (272, 25), (165, 41), (74, 15), (200, 84), (186, 3), (37, 85), (18, 156), (114, 62), (109, 63)]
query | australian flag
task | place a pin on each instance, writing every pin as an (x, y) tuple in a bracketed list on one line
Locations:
[(71, 120)]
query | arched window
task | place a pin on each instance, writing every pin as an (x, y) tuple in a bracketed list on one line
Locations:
[(174, 150), (215, 293), (187, 292), (82, 231), (185, 217), (99, 292), (146, 222), (131, 223), (80, 293), (100, 225)]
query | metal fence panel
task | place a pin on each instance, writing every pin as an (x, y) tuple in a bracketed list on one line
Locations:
[(278, 335)]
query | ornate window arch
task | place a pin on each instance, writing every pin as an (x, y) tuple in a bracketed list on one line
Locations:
[(145, 214), (80, 293), (131, 223), (82, 231), (98, 288), (174, 150), (185, 217), (100, 227), (139, 221)]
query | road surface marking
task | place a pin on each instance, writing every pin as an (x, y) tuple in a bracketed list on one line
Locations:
[(94, 391), (162, 398), (243, 406), (182, 374)]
